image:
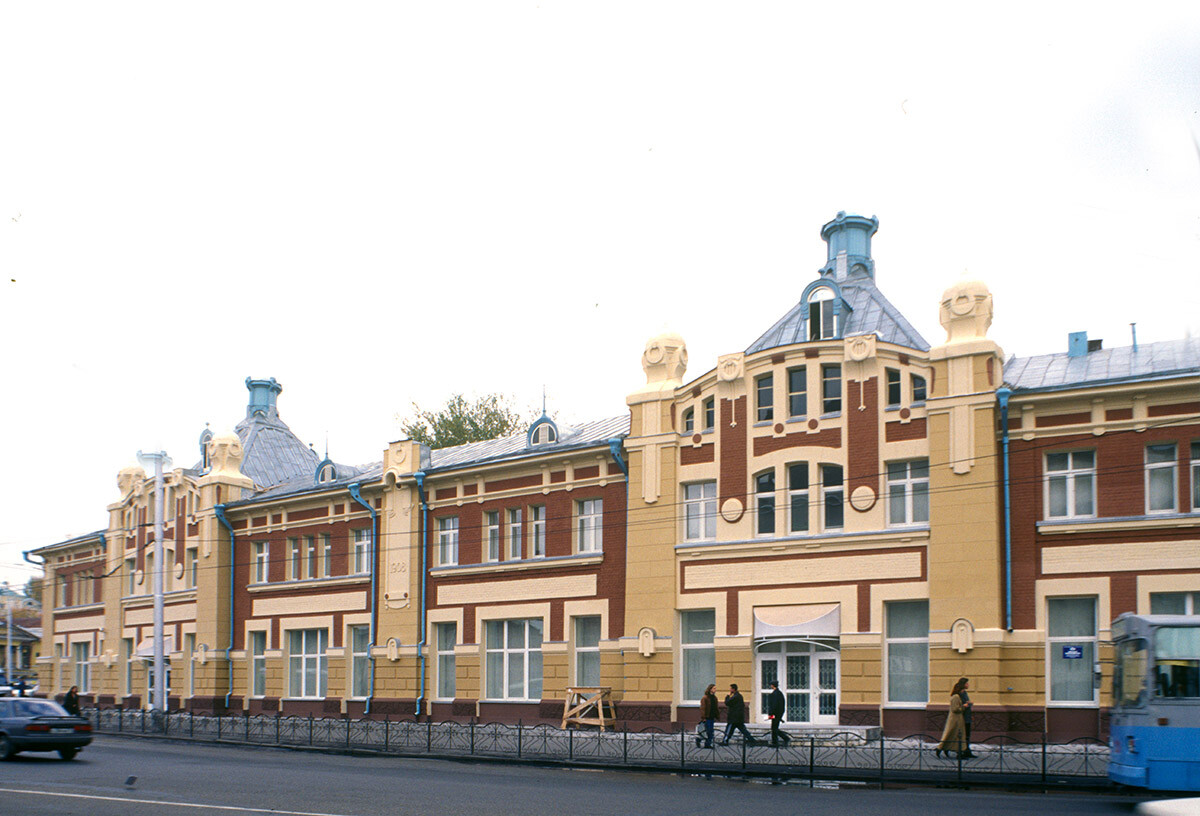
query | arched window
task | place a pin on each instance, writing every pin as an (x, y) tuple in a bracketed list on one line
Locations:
[(326, 471), (689, 420), (543, 431), (822, 317)]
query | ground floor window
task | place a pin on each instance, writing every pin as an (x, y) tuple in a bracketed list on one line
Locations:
[(258, 664), (697, 628), (907, 636), (308, 667), (514, 659), (447, 666), (1071, 649), (83, 674), (807, 673), (360, 661), (587, 651)]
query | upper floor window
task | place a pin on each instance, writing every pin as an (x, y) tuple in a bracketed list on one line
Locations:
[(1196, 477), (832, 492), (822, 324), (447, 540), (764, 503), (908, 491), (1071, 484), (831, 389), (590, 526), (893, 388), (765, 388), (361, 540), (798, 497), (327, 553), (700, 511), (797, 391), (514, 534), (191, 567), (689, 420), (918, 388), (1161, 478), (295, 560), (544, 434), (492, 533), (130, 576), (327, 473), (537, 531), (710, 413)]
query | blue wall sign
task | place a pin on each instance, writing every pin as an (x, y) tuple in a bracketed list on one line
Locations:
[(1072, 652)]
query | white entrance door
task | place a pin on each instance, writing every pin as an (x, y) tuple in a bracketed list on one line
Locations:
[(808, 677)]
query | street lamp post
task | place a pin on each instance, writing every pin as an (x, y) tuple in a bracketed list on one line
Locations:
[(160, 459)]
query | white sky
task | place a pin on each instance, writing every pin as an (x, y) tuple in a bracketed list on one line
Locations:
[(377, 204)]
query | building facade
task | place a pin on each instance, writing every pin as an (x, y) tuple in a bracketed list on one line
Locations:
[(841, 507)]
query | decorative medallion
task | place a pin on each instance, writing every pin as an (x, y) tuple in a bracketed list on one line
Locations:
[(861, 347), (732, 510), (729, 367), (812, 424), (862, 498), (778, 427)]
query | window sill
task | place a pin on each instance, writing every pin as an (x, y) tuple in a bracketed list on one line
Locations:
[(1084, 705), (580, 560), (908, 706), (1095, 525), (522, 700), (281, 586), (78, 608)]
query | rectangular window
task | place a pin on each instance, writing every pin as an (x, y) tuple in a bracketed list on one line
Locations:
[(515, 543), (831, 389), (907, 651), (797, 391), (308, 667), (130, 576), (700, 511), (1071, 647), (590, 525), (492, 533), (1070, 484), (312, 562), (327, 554), (360, 661), (191, 566), (710, 413), (1196, 477), (587, 651), (537, 531), (189, 654), (127, 658), (697, 629), (821, 322), (258, 664), (83, 674), (764, 503), (798, 497), (1175, 603), (918, 388), (447, 639), (689, 420), (447, 540), (908, 491), (1161, 485), (893, 388), (262, 560), (832, 492), (765, 387), (295, 560), (514, 659), (361, 551)]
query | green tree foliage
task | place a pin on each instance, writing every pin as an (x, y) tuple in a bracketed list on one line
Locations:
[(33, 589), (463, 420)]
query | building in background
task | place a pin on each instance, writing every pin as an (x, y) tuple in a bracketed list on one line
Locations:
[(841, 507)]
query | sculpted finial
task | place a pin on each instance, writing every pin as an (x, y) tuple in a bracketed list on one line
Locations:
[(665, 360), (966, 311), (128, 478)]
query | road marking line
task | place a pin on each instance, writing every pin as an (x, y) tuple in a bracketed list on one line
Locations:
[(169, 803)]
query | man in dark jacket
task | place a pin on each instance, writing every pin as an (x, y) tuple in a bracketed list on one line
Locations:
[(708, 715), (735, 715), (776, 705)]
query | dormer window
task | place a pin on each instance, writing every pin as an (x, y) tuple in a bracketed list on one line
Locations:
[(205, 437), (822, 317), (326, 472), (543, 431)]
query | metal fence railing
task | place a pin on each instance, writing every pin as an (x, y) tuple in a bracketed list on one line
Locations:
[(842, 755)]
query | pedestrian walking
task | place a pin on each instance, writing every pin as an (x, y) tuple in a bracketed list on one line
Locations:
[(776, 706), (71, 701), (953, 733), (708, 715), (735, 715), (966, 702)]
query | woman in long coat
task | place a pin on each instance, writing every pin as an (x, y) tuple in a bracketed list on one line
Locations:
[(954, 734)]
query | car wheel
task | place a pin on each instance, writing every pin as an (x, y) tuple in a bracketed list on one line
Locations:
[(68, 753), (7, 751)]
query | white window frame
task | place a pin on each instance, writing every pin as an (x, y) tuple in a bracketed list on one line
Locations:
[(1070, 479), (700, 511), (688, 421), (798, 496), (588, 652), (262, 562), (537, 531), (1191, 601), (191, 560), (800, 393), (1057, 641), (764, 397), (311, 654), (913, 379), (764, 499), (829, 492), (447, 541), (295, 559), (893, 382), (1173, 467), (504, 653), (906, 485), (189, 654), (258, 663), (131, 577), (710, 413), (1196, 477), (361, 551), (589, 525), (492, 535), (889, 641), (515, 534), (327, 554), (685, 646), (127, 647), (360, 659), (827, 369), (445, 640), (81, 658), (821, 301)]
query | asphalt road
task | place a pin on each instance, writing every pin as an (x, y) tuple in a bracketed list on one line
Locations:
[(181, 779)]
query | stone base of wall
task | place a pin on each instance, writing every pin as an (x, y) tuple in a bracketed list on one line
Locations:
[(858, 714)]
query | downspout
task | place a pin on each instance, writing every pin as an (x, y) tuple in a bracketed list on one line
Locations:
[(357, 496), (1002, 394), (420, 477), (614, 447), (219, 509)]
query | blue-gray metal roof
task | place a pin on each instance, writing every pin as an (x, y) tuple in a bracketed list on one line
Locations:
[(273, 454), (871, 313), (347, 475), (588, 434), (1050, 372)]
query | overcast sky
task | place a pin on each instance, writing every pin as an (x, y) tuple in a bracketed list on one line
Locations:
[(381, 204)]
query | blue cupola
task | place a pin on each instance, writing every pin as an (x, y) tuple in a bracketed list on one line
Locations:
[(262, 397), (848, 238)]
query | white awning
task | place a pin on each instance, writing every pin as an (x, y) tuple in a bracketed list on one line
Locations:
[(801, 621), (145, 649)]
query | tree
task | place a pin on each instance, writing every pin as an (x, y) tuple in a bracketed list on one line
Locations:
[(33, 589), (463, 420)]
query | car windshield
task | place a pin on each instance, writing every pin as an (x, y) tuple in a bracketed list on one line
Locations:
[(37, 708)]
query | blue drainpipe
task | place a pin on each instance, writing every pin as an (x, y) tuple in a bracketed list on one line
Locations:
[(219, 509), (1002, 394), (420, 477), (614, 447), (357, 496)]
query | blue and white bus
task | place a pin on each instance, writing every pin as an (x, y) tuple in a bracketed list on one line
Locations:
[(1155, 726)]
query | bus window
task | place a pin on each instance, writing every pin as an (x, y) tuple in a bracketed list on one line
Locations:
[(1177, 661), (1129, 675)]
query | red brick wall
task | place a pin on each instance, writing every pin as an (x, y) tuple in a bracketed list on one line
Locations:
[(731, 481), (901, 432), (862, 430)]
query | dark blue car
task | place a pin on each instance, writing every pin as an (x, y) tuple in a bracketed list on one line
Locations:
[(28, 724)]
